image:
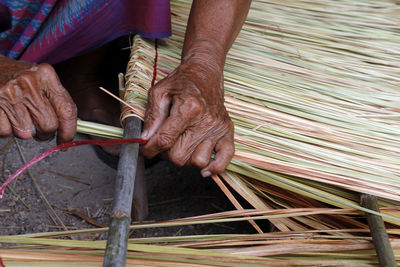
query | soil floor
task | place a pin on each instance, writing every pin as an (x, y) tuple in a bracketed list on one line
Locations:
[(77, 182)]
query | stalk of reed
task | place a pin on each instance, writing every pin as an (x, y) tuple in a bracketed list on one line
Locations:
[(98, 129)]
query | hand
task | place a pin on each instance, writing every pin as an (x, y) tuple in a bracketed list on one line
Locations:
[(186, 118), (33, 103)]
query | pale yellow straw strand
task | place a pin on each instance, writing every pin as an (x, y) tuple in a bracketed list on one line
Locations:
[(116, 97)]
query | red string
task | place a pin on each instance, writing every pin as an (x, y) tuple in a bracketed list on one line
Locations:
[(1, 263), (110, 142), (153, 81)]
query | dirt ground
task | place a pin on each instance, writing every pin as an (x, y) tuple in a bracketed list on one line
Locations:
[(76, 181)]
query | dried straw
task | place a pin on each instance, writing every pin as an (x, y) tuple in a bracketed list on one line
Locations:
[(345, 247), (312, 88)]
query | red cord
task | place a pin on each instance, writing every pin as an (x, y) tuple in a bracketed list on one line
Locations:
[(110, 142), (153, 81)]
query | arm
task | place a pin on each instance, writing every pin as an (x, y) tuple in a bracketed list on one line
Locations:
[(185, 117), (213, 27)]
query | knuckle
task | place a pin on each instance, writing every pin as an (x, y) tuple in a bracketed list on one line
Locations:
[(226, 149), (230, 149), (193, 105), (165, 141), (156, 91), (210, 121), (11, 92), (199, 162), (219, 167), (68, 110), (25, 81), (24, 76), (46, 69), (49, 126), (179, 158)]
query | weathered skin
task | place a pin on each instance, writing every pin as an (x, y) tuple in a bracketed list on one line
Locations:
[(33, 103), (185, 117)]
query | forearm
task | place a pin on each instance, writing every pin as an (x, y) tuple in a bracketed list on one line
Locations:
[(185, 116), (213, 27)]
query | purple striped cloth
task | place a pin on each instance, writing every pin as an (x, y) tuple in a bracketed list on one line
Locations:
[(55, 30)]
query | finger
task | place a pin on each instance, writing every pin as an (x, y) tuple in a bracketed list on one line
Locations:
[(43, 116), (165, 138), (5, 126), (180, 119), (158, 105), (202, 154), (195, 147), (17, 114), (61, 102), (224, 151), (181, 150), (21, 122)]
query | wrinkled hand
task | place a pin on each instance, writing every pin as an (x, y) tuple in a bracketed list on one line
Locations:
[(186, 118), (33, 103)]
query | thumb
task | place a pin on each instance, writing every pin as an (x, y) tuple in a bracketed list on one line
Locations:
[(158, 105)]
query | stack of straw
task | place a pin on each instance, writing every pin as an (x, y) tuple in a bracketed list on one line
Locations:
[(292, 248), (313, 90)]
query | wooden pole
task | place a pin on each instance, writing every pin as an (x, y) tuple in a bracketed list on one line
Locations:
[(117, 242), (118, 233), (378, 232)]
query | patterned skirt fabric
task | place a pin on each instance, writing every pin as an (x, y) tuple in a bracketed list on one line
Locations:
[(55, 30)]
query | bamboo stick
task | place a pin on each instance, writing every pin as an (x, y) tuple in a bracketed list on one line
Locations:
[(118, 234), (115, 254), (378, 232)]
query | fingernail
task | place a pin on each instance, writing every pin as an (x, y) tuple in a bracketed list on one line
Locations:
[(145, 134), (205, 173)]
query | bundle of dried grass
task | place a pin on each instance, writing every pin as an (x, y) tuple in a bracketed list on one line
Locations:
[(313, 90), (344, 247)]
